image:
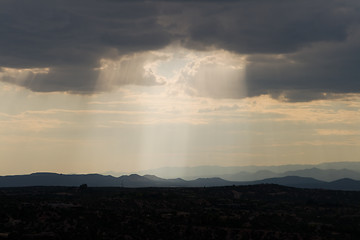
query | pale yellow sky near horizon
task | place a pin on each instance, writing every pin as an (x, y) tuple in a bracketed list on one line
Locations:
[(180, 122)]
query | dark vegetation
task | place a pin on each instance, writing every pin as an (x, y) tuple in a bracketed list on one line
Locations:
[(240, 212)]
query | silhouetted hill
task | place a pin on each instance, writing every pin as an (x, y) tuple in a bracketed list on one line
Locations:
[(54, 179), (344, 184), (294, 181), (209, 182), (136, 181), (250, 176), (323, 174), (303, 182), (319, 174), (92, 180)]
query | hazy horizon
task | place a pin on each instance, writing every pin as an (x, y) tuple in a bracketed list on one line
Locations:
[(193, 172), (128, 86)]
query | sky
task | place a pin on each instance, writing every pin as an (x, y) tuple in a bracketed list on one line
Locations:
[(94, 86)]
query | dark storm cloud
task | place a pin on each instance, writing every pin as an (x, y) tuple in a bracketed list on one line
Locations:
[(70, 37), (298, 50), (44, 33), (316, 72), (264, 26)]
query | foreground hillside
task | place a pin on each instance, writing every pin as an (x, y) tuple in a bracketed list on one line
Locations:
[(244, 212)]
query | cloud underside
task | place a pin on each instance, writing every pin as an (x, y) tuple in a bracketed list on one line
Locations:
[(296, 50)]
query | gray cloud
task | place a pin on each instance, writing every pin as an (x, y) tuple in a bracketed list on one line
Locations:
[(298, 50), (316, 72), (276, 26), (70, 37)]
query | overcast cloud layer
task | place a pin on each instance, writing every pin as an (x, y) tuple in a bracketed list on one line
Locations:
[(296, 50)]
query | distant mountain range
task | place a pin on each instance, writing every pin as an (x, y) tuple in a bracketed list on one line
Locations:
[(135, 181), (325, 171)]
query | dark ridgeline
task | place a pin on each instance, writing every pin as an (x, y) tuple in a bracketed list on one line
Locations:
[(263, 211), (135, 181)]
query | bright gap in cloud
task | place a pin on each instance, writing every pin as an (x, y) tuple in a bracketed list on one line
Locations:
[(178, 79)]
